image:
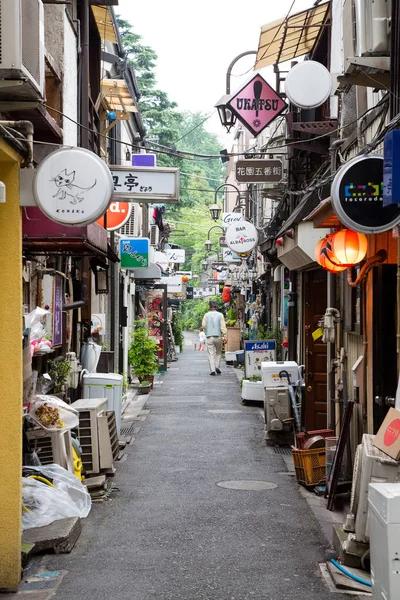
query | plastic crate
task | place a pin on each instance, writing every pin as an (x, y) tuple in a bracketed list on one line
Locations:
[(240, 357), (310, 466)]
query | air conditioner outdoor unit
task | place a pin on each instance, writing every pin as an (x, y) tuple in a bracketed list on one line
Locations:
[(88, 431), (366, 27), (52, 447), (132, 226), (154, 235), (371, 466), (277, 408), (22, 73)]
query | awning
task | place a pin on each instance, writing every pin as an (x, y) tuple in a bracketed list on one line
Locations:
[(323, 215), (105, 24), (151, 272), (117, 96), (285, 39)]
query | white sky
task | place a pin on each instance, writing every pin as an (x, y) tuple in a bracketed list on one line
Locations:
[(196, 41)]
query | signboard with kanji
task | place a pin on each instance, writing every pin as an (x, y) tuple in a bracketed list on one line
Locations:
[(259, 171), (134, 253), (146, 184), (256, 104)]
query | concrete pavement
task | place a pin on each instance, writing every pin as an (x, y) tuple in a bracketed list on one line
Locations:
[(171, 532)]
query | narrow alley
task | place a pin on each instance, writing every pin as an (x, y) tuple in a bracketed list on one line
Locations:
[(174, 529)]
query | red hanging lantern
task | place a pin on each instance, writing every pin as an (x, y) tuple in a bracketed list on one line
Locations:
[(226, 294), (321, 256), (347, 248)]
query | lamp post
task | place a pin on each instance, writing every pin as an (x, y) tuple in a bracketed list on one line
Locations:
[(208, 242), (238, 205), (227, 118)]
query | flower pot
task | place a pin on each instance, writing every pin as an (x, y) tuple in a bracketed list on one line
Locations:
[(149, 378), (144, 389)]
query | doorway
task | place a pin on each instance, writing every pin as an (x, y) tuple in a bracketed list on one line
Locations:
[(315, 299)]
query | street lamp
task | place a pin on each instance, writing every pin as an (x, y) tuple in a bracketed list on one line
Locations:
[(208, 245), (215, 212), (238, 205), (227, 118)]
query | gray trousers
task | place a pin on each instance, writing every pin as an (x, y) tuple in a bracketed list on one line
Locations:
[(214, 347)]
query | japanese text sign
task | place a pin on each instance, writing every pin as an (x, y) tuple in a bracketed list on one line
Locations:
[(256, 104), (146, 184), (134, 253), (176, 255), (58, 300), (258, 171)]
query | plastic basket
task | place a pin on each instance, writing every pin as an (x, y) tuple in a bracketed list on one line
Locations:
[(240, 358), (309, 466)]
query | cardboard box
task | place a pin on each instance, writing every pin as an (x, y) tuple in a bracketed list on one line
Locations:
[(388, 437)]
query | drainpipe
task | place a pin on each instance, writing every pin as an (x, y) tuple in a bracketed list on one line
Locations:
[(84, 117), (27, 129), (331, 294)]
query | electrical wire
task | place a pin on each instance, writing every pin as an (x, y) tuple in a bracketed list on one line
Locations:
[(195, 127)]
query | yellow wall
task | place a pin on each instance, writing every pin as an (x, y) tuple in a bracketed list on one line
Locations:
[(10, 370)]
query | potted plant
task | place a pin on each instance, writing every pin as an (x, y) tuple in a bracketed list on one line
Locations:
[(59, 371), (142, 353), (144, 387)]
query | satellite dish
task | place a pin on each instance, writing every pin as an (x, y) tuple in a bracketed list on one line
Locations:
[(308, 84)]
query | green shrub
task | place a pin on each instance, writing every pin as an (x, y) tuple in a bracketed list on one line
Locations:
[(142, 353)]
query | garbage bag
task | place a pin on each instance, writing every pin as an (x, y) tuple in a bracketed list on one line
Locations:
[(53, 414), (62, 497)]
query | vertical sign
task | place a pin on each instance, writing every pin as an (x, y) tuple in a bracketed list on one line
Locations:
[(57, 310)]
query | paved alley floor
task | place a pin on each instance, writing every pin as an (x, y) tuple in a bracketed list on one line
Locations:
[(171, 531)]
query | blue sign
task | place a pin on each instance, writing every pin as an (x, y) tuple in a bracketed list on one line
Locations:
[(391, 168), (143, 160), (134, 253), (260, 346)]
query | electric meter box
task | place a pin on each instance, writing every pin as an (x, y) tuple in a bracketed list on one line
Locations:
[(270, 372), (384, 533)]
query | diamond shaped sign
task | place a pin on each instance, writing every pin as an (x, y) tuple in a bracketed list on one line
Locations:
[(256, 105)]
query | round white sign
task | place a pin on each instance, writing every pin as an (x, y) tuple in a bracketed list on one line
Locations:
[(308, 84), (73, 186), (241, 237)]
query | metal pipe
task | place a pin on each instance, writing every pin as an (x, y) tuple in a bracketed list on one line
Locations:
[(331, 294), (229, 71), (84, 117)]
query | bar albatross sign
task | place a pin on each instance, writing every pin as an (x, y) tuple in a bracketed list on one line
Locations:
[(241, 237)]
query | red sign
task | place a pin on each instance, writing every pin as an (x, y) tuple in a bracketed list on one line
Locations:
[(256, 105), (118, 214), (392, 433)]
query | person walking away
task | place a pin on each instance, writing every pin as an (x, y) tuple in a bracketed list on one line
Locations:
[(202, 339), (215, 329)]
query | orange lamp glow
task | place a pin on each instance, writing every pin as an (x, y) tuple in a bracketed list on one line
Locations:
[(347, 248), (321, 256), (185, 278)]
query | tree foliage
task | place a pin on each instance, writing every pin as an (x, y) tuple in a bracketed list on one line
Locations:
[(193, 311)]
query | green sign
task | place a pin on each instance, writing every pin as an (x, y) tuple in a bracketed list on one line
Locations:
[(134, 253)]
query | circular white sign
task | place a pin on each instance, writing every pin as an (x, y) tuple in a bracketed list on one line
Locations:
[(73, 186), (241, 237), (308, 84)]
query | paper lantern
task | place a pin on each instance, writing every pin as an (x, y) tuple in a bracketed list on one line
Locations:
[(347, 248), (321, 256), (226, 294), (185, 278)]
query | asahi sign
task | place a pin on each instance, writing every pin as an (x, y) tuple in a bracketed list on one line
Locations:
[(231, 217), (241, 237), (259, 171), (256, 104), (357, 194)]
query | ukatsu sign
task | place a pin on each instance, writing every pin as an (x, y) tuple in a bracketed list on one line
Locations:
[(241, 237), (256, 104)]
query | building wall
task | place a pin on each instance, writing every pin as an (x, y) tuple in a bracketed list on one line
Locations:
[(70, 83), (10, 370)]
